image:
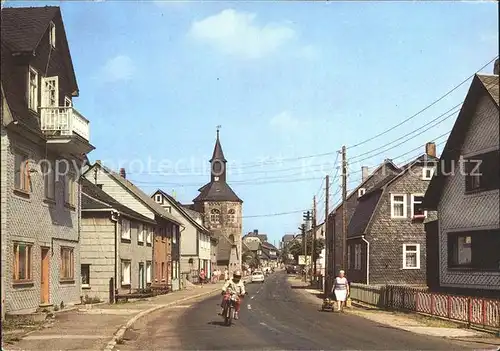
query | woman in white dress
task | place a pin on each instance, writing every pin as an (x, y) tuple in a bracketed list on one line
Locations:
[(341, 290)]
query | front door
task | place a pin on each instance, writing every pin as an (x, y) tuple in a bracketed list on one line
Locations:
[(141, 276), (44, 276)]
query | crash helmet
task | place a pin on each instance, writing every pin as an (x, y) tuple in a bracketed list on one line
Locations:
[(236, 276)]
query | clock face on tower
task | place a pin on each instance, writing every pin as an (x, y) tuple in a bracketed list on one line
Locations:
[(216, 167)]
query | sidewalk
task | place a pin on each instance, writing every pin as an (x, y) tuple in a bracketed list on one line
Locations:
[(93, 328), (411, 322)]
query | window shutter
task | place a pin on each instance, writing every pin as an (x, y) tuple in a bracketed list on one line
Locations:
[(490, 169)]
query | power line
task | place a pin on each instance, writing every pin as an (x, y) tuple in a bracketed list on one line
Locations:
[(323, 165), (286, 178), (422, 110), (288, 159), (392, 147), (276, 214), (438, 119), (412, 150)]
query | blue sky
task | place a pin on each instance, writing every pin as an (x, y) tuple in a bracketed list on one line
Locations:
[(284, 79)]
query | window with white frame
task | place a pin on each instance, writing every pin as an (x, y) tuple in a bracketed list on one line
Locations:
[(417, 208), (427, 173), (126, 272), (149, 235), (140, 232), (357, 256), (215, 216), (85, 273), (349, 262), (148, 272), (411, 256), (231, 216), (158, 198), (398, 206), (33, 89), (361, 192), (125, 229), (67, 102), (52, 34)]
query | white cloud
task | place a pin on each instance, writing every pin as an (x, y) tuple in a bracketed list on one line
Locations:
[(118, 68), (284, 121), (239, 34)]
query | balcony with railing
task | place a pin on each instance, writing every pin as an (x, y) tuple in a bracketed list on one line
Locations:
[(66, 126), (64, 121)]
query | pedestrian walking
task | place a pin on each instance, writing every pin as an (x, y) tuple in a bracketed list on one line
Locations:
[(202, 276), (341, 289)]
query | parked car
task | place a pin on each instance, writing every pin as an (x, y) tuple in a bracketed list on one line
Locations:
[(257, 276), (291, 270)]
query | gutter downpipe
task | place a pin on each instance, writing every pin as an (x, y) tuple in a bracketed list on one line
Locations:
[(114, 217), (367, 259)]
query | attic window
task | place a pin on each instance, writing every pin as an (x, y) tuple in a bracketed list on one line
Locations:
[(52, 34), (361, 192), (427, 173), (158, 198)]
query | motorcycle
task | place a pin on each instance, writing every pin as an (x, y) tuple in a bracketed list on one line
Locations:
[(230, 299)]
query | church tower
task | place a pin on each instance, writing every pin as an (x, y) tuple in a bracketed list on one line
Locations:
[(222, 210)]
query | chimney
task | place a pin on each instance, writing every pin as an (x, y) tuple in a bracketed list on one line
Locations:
[(256, 231), (495, 67), (364, 173), (430, 149), (122, 173)]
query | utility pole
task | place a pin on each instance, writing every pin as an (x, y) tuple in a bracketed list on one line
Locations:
[(313, 251), (327, 243), (344, 209), (307, 217), (302, 229)]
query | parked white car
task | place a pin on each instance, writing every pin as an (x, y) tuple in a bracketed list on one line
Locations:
[(257, 276)]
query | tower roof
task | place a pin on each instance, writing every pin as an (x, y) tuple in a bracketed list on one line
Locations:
[(218, 154), (217, 191)]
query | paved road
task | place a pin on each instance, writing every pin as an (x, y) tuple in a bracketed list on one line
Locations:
[(274, 317)]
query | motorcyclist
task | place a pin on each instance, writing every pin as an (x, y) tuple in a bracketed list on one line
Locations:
[(234, 284)]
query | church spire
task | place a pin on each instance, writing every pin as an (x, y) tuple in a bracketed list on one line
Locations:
[(218, 161)]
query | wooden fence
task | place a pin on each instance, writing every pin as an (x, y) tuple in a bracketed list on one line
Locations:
[(471, 310)]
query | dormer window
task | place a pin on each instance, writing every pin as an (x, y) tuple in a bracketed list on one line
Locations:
[(52, 34), (427, 173), (158, 198), (361, 192)]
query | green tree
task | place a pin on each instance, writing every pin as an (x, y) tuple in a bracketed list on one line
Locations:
[(251, 259), (296, 248)]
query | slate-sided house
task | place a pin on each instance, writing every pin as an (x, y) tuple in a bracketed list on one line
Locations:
[(165, 240), (333, 247), (114, 244), (195, 245), (40, 211), (271, 254), (386, 235), (467, 232), (222, 211)]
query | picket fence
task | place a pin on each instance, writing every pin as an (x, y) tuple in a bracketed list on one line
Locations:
[(471, 310)]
